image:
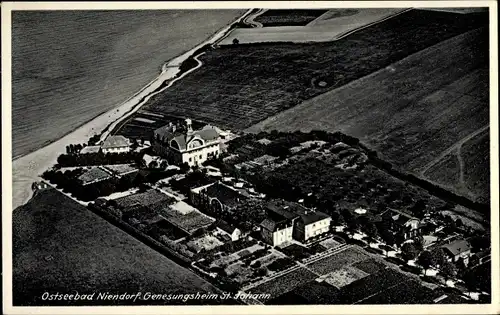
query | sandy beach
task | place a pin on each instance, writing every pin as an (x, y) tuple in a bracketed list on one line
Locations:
[(27, 169)]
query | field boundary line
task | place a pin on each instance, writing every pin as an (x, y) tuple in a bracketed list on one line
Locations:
[(452, 148), (347, 33)]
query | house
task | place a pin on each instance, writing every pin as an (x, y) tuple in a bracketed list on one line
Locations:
[(115, 144), (480, 258), (216, 197), (264, 141), (91, 149), (148, 159), (227, 229), (185, 145), (402, 223), (311, 224), (39, 186), (277, 228), (458, 249), (94, 175)]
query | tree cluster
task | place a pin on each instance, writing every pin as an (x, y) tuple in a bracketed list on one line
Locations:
[(72, 160)]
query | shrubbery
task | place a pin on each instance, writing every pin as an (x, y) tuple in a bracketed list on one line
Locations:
[(71, 160)]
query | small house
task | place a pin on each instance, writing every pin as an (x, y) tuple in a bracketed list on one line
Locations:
[(277, 228), (91, 149), (115, 144), (216, 197), (311, 224), (402, 223), (458, 249), (225, 228)]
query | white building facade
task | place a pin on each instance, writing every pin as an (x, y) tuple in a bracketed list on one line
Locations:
[(116, 144), (191, 146)]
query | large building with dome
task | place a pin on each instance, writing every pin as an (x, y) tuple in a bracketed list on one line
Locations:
[(184, 145)]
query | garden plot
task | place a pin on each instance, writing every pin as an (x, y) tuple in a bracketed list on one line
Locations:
[(343, 276), (226, 260), (370, 266), (330, 243), (144, 199), (206, 242), (285, 283), (338, 260)]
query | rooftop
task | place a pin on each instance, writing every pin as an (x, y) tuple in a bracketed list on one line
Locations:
[(188, 221), (264, 141), (457, 247), (398, 216), (313, 216), (120, 169), (226, 227), (90, 149), (225, 194), (93, 175), (182, 136), (280, 209), (115, 142), (146, 198)]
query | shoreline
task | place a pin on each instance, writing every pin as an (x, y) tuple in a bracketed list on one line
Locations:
[(28, 168)]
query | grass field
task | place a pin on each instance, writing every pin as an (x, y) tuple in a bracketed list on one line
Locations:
[(292, 28), (446, 171), (411, 111), (238, 86), (288, 17), (475, 154), (60, 246)]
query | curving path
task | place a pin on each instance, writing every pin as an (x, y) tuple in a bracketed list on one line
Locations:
[(250, 19), (456, 149)]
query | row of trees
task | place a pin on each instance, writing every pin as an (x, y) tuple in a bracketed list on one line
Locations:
[(72, 160)]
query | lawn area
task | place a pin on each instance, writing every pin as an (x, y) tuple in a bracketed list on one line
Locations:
[(259, 81), (409, 112), (60, 246), (288, 17)]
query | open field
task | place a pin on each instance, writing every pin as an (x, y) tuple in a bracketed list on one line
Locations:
[(446, 172), (288, 17), (476, 173), (410, 111), (293, 28), (258, 81), (60, 246)]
